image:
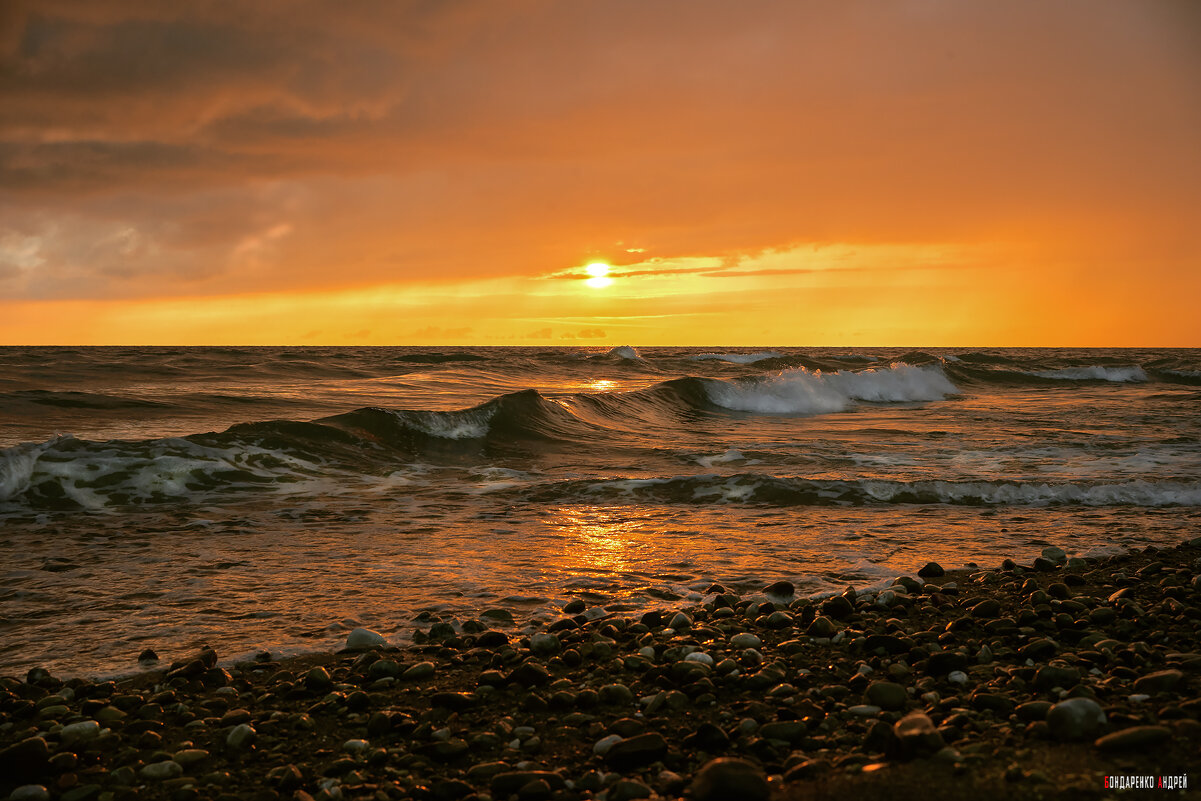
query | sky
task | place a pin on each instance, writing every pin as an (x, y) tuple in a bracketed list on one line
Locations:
[(416, 172)]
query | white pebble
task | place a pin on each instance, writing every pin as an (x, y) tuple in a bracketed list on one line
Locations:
[(699, 656), (647, 651), (81, 732), (241, 736), (361, 639), (355, 746), (603, 745), (957, 677)]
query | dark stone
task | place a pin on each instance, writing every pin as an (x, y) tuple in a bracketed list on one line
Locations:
[(1044, 565), (837, 607), (455, 701), (889, 642), (450, 789), (1033, 710), (1051, 676), (25, 759), (529, 674), (708, 737), (940, 663), (509, 782), (1163, 681), (148, 656), (633, 752), (916, 735), (1038, 650), (729, 779), (997, 703), (886, 695), (317, 680), (492, 639), (986, 609), (784, 589), (931, 570), (790, 731), (1134, 738), (628, 789)]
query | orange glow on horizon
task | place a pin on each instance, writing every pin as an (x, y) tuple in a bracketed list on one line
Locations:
[(596, 173)]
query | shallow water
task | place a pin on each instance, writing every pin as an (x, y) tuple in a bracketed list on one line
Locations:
[(345, 486)]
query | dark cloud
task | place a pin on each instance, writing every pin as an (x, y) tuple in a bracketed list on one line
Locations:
[(305, 144)]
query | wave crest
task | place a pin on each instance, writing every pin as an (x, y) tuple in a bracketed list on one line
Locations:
[(803, 391)]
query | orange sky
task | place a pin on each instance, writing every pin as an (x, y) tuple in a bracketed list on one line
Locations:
[(919, 172)]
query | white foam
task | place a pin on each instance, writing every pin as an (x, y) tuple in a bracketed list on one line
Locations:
[(1133, 493), (1095, 372), (731, 455), (465, 424), (624, 352), (802, 391), (90, 473)]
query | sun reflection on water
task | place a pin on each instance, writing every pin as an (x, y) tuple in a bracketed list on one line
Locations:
[(602, 539)]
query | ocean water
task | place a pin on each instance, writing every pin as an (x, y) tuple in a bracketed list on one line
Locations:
[(274, 498)]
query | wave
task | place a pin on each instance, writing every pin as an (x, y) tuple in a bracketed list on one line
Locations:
[(624, 352), (737, 358), (66, 473), (1095, 372), (752, 488), (74, 399), (804, 391)]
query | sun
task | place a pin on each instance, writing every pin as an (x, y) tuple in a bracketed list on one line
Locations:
[(599, 272)]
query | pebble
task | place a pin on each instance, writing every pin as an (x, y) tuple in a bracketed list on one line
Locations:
[(886, 695), (1163, 681), (241, 737), (729, 779), (917, 735), (419, 672), (363, 639), (602, 746), (632, 752), (1055, 554), (160, 771), (82, 732), (781, 589), (1134, 738), (544, 644), (931, 570), (745, 640), (626, 789), (30, 792), (1075, 718)]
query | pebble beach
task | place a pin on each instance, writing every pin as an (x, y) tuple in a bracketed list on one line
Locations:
[(1021, 681)]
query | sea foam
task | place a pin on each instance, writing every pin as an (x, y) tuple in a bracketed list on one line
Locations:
[(803, 391), (1095, 372)]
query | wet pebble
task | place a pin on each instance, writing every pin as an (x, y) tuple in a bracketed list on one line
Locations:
[(729, 778)]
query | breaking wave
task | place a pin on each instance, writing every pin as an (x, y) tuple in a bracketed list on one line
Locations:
[(804, 391)]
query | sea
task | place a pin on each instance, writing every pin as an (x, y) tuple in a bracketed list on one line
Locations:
[(273, 499)]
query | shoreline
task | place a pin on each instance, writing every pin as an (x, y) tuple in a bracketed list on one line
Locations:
[(941, 688)]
